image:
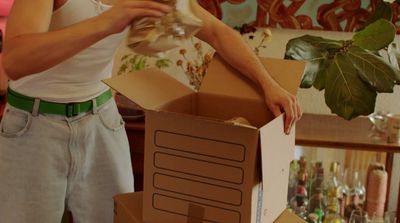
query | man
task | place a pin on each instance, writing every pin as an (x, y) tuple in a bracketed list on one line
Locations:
[(62, 141)]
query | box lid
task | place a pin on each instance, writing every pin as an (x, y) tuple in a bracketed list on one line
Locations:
[(150, 88), (277, 151), (219, 79), (288, 217)]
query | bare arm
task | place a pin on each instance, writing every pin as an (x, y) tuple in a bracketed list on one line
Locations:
[(230, 45), (30, 43)]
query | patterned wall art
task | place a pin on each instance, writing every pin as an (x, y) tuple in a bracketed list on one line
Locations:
[(336, 15)]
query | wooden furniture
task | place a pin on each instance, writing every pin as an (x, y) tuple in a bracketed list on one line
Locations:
[(334, 132), (2, 105), (135, 131), (331, 131)]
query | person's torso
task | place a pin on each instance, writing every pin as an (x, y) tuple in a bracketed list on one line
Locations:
[(79, 77)]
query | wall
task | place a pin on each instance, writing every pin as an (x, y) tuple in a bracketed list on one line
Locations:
[(334, 15)]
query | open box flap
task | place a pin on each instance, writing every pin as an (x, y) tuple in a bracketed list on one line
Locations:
[(223, 79), (289, 217), (149, 88), (277, 150)]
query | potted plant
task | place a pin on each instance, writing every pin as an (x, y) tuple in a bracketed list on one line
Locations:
[(352, 72)]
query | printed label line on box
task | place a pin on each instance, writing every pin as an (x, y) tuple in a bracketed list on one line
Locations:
[(197, 167), (198, 189), (179, 206), (200, 146)]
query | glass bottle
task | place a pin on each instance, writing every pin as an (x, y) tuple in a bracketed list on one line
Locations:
[(317, 205), (356, 196), (333, 216), (358, 187), (332, 212), (293, 171), (317, 177), (303, 175), (299, 202), (354, 204), (345, 191), (317, 202)]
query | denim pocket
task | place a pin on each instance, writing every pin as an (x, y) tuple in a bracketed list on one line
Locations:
[(15, 122), (110, 116)]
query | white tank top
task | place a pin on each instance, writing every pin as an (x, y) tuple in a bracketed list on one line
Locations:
[(79, 77)]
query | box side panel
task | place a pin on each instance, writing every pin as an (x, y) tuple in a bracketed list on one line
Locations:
[(149, 88), (226, 107), (184, 105), (277, 150), (202, 212), (200, 145), (195, 188), (197, 167), (196, 162)]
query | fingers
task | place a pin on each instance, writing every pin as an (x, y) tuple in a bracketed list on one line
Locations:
[(290, 115), (299, 111), (124, 12), (279, 100), (293, 113)]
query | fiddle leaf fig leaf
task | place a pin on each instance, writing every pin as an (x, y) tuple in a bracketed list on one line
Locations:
[(345, 93), (320, 79), (375, 36), (322, 43), (314, 50), (372, 69)]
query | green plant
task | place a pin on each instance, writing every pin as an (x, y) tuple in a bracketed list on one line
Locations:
[(194, 64), (352, 72)]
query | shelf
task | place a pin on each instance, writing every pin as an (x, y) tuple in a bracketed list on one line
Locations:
[(331, 131)]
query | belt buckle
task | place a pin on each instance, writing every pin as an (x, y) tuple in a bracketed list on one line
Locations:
[(72, 109)]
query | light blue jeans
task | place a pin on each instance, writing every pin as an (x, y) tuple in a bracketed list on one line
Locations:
[(51, 162)]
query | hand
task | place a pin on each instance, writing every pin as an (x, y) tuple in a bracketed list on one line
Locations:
[(279, 100), (124, 11)]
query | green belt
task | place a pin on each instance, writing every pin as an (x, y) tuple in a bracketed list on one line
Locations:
[(67, 109)]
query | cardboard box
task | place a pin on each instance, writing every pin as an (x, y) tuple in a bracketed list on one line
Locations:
[(200, 168), (128, 209)]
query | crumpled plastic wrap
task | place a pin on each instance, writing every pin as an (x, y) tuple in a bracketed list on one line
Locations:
[(151, 36)]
